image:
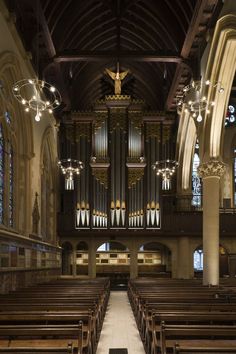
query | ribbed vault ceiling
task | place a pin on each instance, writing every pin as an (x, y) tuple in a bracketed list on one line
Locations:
[(156, 40)]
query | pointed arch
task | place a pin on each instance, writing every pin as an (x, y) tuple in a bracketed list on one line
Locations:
[(220, 70), (18, 134), (186, 139)]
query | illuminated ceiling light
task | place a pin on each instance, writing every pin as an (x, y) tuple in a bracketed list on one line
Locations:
[(37, 95), (199, 118), (194, 99), (165, 169), (69, 168)]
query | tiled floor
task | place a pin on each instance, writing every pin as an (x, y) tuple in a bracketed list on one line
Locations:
[(119, 327)]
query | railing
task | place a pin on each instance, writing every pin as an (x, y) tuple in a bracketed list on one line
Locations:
[(188, 203)]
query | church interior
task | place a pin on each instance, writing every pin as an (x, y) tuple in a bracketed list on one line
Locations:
[(117, 176)]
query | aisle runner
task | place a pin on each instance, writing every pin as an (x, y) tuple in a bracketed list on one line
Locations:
[(119, 326)]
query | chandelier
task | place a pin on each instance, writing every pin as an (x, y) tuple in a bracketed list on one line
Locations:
[(37, 95), (195, 101), (69, 168), (165, 169)]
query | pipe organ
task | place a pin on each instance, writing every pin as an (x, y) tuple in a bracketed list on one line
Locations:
[(118, 142)]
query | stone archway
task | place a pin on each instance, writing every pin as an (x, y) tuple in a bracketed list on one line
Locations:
[(67, 255), (113, 261), (154, 259)]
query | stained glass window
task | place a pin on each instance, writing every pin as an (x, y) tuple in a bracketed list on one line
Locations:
[(8, 117), (1, 173), (198, 259), (11, 201), (196, 181)]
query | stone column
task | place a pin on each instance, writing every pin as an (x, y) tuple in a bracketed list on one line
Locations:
[(92, 262), (210, 173), (133, 263), (74, 273), (184, 266)]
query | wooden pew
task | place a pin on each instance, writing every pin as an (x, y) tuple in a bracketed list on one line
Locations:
[(186, 318), (192, 336), (50, 319), (28, 350), (48, 315), (179, 303), (45, 336), (203, 350)]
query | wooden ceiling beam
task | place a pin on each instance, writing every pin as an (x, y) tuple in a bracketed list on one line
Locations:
[(193, 30), (51, 51), (106, 56)]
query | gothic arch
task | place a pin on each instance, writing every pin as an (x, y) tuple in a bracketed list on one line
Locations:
[(220, 68), (20, 135), (185, 145), (10, 70)]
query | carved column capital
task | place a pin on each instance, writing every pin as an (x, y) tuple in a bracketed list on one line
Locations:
[(212, 168)]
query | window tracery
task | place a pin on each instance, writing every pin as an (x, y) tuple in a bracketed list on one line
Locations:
[(196, 181)]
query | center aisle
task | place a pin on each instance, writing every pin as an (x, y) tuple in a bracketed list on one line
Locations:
[(119, 327)]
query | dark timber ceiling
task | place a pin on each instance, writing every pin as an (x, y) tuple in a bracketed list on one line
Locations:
[(157, 40)]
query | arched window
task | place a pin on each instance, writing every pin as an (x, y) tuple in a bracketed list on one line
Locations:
[(196, 181), (104, 247), (198, 259)]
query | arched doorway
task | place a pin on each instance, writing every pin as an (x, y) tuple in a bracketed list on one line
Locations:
[(82, 258), (67, 259), (113, 261), (198, 262), (154, 259)]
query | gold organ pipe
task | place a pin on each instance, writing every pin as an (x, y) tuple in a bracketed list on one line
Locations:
[(113, 194), (123, 168), (118, 163)]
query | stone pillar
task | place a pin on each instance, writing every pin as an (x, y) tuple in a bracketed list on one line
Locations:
[(74, 273), (92, 262), (184, 266), (133, 263), (211, 173)]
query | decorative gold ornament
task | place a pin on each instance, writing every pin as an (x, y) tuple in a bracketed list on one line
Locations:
[(153, 130), (118, 118), (134, 175), (101, 175), (212, 168)]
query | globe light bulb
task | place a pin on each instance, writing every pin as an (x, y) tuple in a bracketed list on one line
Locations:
[(37, 117), (199, 118)]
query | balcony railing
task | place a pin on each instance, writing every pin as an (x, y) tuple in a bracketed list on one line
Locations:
[(188, 203)]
